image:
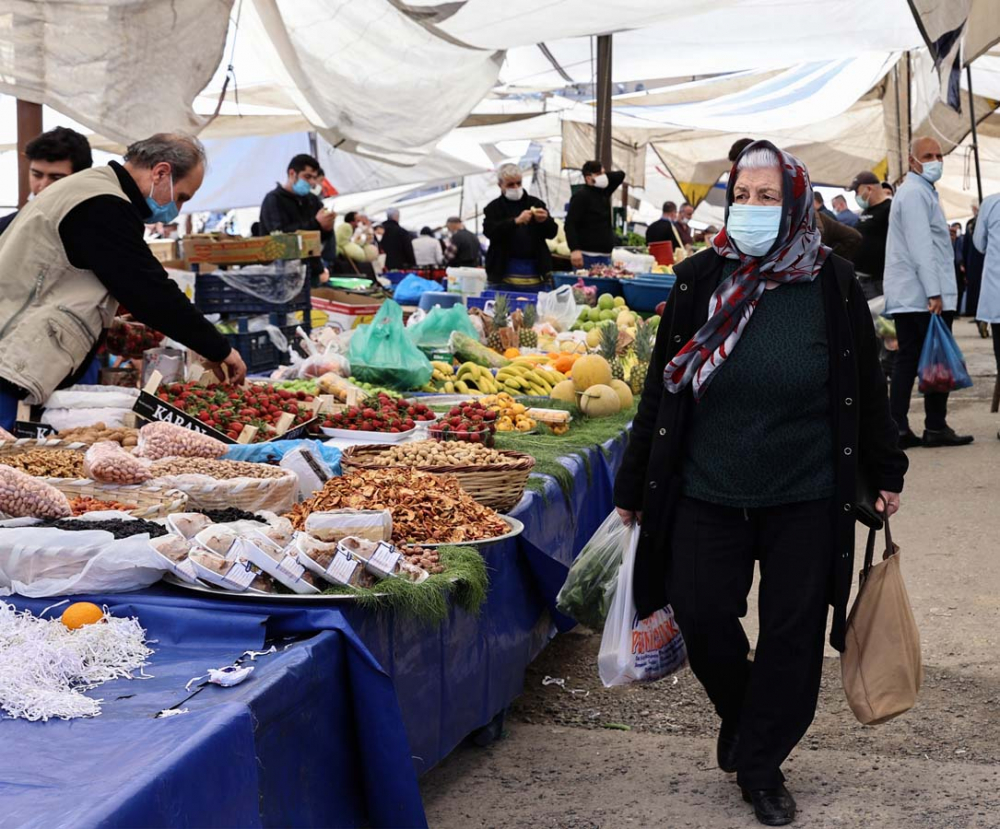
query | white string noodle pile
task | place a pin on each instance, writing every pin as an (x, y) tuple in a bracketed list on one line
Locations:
[(44, 667)]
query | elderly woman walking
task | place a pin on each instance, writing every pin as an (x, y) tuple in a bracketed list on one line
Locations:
[(763, 406), (517, 226)]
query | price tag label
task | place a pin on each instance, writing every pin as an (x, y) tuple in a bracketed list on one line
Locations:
[(186, 568), (342, 568), (242, 573), (384, 559), (290, 566)]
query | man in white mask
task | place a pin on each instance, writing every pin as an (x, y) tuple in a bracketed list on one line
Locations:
[(589, 231), (919, 281)]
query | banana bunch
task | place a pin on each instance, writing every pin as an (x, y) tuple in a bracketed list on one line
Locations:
[(526, 378), (472, 378), (442, 378)]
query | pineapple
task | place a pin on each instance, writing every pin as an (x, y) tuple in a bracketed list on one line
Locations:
[(500, 321), (643, 354), (609, 351), (528, 337)]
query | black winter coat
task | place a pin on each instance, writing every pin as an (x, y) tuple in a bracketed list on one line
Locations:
[(650, 477), (498, 227), (397, 245)]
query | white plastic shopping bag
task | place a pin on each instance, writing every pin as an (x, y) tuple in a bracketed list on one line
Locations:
[(633, 649)]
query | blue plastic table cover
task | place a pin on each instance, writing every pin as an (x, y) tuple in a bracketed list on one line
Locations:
[(332, 730)]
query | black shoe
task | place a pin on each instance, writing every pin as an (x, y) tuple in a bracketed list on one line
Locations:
[(908, 440), (773, 807), (945, 437), (726, 747)]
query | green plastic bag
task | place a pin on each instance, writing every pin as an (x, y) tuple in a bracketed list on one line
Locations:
[(435, 329), (380, 353)]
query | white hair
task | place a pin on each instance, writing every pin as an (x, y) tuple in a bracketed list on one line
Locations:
[(506, 171), (393, 214), (759, 158)]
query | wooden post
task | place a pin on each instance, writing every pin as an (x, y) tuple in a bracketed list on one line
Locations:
[(29, 126), (602, 150)]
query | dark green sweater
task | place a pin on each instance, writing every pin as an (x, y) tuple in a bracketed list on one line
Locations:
[(761, 433)]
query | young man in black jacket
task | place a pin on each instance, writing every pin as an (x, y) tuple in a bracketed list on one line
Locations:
[(292, 206), (588, 223)]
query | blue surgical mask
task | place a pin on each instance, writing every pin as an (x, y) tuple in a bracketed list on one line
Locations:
[(301, 187), (932, 170), (753, 227), (863, 203), (165, 213)]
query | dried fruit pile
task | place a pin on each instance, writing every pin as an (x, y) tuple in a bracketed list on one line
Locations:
[(229, 408), (426, 508), (86, 504), (427, 558), (380, 414), (47, 463), (221, 470)]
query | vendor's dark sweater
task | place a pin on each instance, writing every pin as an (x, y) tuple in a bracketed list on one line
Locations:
[(103, 234), (588, 222), (761, 433), (509, 240)]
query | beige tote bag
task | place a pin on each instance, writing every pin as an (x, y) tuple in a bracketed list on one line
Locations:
[(881, 665)]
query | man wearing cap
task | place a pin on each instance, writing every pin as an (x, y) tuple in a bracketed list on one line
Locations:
[(873, 225)]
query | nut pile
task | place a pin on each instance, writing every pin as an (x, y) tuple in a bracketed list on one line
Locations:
[(23, 496), (84, 504), (425, 507), (165, 440), (426, 558), (98, 432), (221, 470), (108, 462), (46, 463), (435, 453)]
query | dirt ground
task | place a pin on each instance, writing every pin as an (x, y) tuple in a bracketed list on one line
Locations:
[(576, 755)]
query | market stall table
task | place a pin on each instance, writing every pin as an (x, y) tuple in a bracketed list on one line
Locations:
[(332, 730)]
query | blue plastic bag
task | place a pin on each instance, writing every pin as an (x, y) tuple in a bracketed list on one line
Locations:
[(942, 366), (409, 291), (275, 450)]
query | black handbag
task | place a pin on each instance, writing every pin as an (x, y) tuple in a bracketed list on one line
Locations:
[(864, 502)]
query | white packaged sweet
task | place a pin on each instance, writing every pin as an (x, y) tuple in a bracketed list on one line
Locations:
[(334, 525)]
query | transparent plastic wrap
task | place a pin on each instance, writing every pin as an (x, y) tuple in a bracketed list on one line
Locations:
[(558, 307), (22, 496), (278, 283), (108, 463), (165, 440), (590, 585)]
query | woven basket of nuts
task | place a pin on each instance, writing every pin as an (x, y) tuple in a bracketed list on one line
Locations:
[(151, 500), (44, 458), (493, 477), (217, 484)]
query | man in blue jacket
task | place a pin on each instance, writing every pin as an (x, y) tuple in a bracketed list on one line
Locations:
[(919, 282)]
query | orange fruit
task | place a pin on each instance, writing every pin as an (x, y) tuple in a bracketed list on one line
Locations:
[(79, 614)]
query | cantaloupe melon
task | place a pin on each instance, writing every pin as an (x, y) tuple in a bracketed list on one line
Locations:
[(565, 391), (624, 393), (600, 401), (591, 370)]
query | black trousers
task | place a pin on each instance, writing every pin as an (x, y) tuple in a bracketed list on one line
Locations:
[(911, 329), (995, 330), (771, 700)]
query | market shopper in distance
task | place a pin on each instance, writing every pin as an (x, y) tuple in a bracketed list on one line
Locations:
[(665, 228), (77, 251), (751, 430), (292, 205), (873, 225), (987, 242), (919, 281), (517, 226), (589, 229), (463, 249), (396, 243), (53, 156), (842, 214)]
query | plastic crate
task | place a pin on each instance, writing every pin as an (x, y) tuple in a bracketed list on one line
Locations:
[(213, 296), (256, 348), (516, 301), (646, 293), (604, 284)]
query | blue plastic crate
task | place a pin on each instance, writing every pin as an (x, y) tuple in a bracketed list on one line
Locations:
[(644, 294), (213, 296), (256, 348), (516, 301), (604, 284)]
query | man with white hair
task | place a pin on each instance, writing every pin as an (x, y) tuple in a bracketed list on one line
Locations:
[(517, 226), (76, 251), (396, 244), (919, 281), (464, 250)]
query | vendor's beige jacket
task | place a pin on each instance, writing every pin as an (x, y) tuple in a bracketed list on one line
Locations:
[(51, 313)]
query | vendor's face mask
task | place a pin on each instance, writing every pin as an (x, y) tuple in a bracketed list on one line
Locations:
[(301, 187), (514, 193), (165, 213)]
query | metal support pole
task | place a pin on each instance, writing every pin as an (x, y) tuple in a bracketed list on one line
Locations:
[(29, 126), (603, 143), (975, 140)]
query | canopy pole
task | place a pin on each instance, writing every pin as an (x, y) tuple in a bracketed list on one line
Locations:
[(975, 140), (29, 126), (603, 148)]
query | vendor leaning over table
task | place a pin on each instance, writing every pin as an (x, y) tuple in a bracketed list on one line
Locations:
[(517, 226), (77, 250), (589, 229)]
